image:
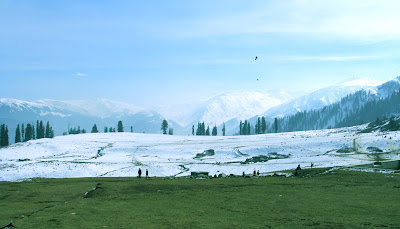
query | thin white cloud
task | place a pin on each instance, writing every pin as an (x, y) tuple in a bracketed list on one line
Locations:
[(330, 58), (361, 20), (80, 74)]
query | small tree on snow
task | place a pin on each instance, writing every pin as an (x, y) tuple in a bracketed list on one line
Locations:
[(164, 126)]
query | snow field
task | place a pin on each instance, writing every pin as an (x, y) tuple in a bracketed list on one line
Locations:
[(122, 154)]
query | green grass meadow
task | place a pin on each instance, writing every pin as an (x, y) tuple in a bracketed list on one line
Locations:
[(339, 199)]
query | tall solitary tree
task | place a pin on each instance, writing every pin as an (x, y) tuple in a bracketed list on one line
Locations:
[(94, 129), (223, 129), (192, 129), (131, 129), (17, 134), (164, 126), (120, 127), (276, 125)]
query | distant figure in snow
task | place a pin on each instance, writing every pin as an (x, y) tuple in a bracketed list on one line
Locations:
[(312, 164), (298, 167), (256, 58), (254, 172), (258, 172), (147, 173), (139, 173), (243, 174)]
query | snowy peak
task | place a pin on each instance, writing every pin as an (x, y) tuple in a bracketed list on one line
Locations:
[(240, 105), (323, 97), (359, 82), (102, 108)]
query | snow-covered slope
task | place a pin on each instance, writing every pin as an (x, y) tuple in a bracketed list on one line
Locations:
[(122, 154), (323, 97), (235, 105)]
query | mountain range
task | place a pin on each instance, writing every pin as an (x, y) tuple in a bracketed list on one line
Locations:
[(228, 108)]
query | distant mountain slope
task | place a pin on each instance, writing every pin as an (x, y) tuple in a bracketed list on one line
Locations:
[(64, 114), (322, 97), (235, 105), (354, 109)]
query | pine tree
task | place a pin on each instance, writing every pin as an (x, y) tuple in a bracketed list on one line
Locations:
[(263, 125), (223, 129), (131, 129), (94, 129), (120, 127), (17, 134), (2, 135), (214, 131), (164, 126), (245, 127), (171, 131), (47, 135), (37, 130), (276, 125), (33, 132), (105, 129), (241, 128), (6, 140), (42, 130), (23, 132), (28, 132), (192, 129), (208, 131)]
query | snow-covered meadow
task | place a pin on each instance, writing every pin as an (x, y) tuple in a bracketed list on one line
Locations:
[(122, 154)]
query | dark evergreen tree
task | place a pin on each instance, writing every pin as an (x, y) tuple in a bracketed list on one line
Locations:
[(131, 129), (83, 131), (120, 127), (241, 128), (192, 129), (41, 129), (47, 135), (37, 130), (214, 131), (171, 131), (263, 125), (28, 132), (105, 129), (208, 131), (223, 129), (94, 129), (33, 132), (276, 125), (164, 126), (17, 134), (4, 141), (23, 132)]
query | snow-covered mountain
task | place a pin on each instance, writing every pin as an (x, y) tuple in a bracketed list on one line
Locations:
[(234, 105), (323, 97), (83, 113)]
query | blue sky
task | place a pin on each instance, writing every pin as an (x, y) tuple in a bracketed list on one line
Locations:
[(152, 53)]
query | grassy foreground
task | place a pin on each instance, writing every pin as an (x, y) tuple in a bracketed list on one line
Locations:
[(341, 199)]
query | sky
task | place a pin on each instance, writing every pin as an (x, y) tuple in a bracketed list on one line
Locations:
[(156, 53)]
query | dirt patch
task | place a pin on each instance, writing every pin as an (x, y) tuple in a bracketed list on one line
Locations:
[(209, 152), (264, 158)]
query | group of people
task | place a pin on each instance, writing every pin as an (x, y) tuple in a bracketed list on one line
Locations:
[(140, 173)]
